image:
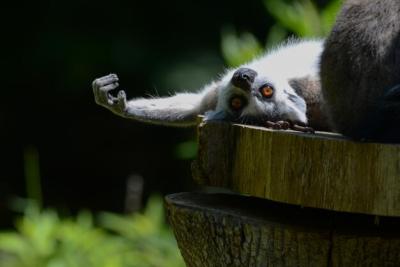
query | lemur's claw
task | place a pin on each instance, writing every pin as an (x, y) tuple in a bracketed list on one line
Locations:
[(101, 88), (270, 124)]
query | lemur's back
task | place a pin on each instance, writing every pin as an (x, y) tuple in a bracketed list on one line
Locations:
[(359, 67)]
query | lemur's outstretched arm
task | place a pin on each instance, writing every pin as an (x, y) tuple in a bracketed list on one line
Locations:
[(261, 92), (178, 110)]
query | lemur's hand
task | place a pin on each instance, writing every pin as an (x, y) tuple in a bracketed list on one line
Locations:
[(101, 88), (285, 125)]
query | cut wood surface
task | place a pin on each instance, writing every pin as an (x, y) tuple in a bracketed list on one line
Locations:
[(216, 230), (319, 170)]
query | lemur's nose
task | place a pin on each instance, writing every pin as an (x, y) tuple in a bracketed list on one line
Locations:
[(244, 78)]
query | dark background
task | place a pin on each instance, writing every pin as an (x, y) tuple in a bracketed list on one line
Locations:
[(52, 50), (51, 53)]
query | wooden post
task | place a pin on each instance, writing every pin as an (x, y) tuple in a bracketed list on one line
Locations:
[(321, 200)]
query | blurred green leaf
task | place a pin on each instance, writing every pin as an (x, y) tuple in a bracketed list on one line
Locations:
[(300, 17), (277, 34), (328, 15), (238, 49), (11, 242), (186, 150), (43, 239)]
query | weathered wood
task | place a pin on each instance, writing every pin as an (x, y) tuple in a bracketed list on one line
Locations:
[(230, 230), (313, 170)]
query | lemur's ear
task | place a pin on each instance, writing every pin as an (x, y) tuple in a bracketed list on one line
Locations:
[(307, 87)]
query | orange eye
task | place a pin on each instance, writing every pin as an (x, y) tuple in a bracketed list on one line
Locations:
[(236, 103), (267, 91)]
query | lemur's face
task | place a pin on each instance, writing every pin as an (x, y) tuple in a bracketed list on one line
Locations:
[(250, 97)]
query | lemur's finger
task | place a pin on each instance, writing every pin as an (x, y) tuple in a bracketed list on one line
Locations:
[(302, 128), (122, 95), (121, 98), (109, 87), (106, 80), (109, 76), (270, 124), (283, 124), (277, 126), (102, 96)]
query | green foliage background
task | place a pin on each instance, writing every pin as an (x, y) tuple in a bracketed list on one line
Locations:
[(299, 18), (43, 239)]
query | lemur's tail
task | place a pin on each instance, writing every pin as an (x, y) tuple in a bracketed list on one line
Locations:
[(382, 123)]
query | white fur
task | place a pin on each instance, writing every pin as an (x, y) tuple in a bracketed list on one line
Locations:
[(295, 59)]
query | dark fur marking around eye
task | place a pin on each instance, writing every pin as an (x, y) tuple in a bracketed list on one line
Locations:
[(293, 98), (237, 103), (297, 100)]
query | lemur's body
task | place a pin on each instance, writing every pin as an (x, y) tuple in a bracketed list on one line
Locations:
[(360, 70), (282, 85)]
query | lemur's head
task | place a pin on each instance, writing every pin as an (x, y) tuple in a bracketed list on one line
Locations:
[(250, 97)]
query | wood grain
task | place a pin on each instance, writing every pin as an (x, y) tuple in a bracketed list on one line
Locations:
[(320, 170), (216, 230)]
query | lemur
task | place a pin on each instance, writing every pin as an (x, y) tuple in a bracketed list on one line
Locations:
[(279, 90), (360, 71)]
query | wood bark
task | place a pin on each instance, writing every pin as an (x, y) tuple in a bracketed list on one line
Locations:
[(319, 170), (229, 230)]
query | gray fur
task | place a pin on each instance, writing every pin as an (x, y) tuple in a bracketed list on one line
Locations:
[(360, 64)]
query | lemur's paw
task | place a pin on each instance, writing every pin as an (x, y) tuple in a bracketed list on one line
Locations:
[(101, 88), (286, 125), (278, 125)]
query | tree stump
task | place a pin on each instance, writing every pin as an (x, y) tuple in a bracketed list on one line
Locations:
[(216, 230), (321, 200)]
